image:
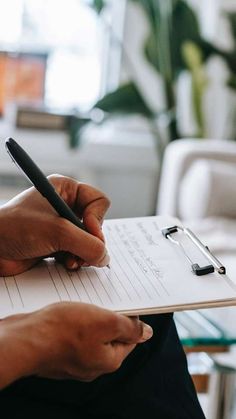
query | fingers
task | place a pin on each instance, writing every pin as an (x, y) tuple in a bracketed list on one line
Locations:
[(15, 267), (132, 330), (130, 333), (91, 200), (93, 216), (90, 205), (118, 353), (80, 243), (71, 262), (112, 354), (112, 358), (94, 211), (129, 330), (93, 223), (87, 202)]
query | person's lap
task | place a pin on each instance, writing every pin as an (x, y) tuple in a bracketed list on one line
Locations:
[(153, 382)]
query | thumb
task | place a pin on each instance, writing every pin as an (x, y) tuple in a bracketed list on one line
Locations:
[(132, 330)]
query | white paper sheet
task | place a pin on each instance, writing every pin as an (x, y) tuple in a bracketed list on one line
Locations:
[(148, 274)]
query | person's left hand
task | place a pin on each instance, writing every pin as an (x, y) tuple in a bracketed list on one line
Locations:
[(30, 229)]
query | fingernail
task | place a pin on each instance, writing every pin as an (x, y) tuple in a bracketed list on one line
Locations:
[(147, 332), (74, 266), (104, 262)]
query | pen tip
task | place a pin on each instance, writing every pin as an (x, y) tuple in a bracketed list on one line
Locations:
[(108, 266)]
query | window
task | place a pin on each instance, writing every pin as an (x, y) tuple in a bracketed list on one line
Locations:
[(74, 37)]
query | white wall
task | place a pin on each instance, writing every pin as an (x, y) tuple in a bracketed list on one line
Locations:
[(120, 160)]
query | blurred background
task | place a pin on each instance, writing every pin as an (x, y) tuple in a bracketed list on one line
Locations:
[(94, 86), (137, 97)]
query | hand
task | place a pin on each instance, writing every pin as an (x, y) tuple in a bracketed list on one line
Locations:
[(67, 340), (30, 229)]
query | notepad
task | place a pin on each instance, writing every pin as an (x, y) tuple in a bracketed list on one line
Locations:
[(148, 274)]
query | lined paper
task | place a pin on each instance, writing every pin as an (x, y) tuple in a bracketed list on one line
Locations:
[(148, 274)]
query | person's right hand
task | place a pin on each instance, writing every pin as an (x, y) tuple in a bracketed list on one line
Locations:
[(67, 340), (30, 229)]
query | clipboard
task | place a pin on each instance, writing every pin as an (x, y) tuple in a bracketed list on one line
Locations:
[(154, 269)]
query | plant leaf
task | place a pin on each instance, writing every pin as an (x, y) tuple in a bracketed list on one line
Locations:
[(98, 5), (151, 51), (232, 82), (232, 19), (147, 6), (183, 27), (126, 99), (75, 125)]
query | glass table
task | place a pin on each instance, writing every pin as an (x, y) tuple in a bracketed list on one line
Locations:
[(197, 331), (202, 339)]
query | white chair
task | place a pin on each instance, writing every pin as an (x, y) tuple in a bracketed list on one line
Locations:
[(178, 158), (198, 185)]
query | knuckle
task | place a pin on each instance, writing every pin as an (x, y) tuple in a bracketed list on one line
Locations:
[(114, 323), (137, 329), (107, 201), (102, 196), (55, 178)]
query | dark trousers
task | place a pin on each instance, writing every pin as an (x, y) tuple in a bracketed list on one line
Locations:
[(152, 383)]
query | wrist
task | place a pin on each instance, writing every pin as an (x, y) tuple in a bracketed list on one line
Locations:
[(18, 357)]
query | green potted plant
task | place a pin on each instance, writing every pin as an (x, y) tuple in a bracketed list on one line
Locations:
[(174, 44)]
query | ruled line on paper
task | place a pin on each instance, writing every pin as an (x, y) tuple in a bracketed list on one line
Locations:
[(70, 286), (14, 292), (122, 285), (110, 283), (8, 292), (73, 282), (62, 281), (155, 272), (22, 302), (94, 288), (102, 284), (54, 283), (125, 274), (135, 273), (114, 281), (89, 298)]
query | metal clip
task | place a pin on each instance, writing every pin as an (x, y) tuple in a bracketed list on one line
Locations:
[(197, 270)]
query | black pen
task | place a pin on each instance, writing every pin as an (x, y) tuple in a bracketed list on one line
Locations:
[(40, 181)]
